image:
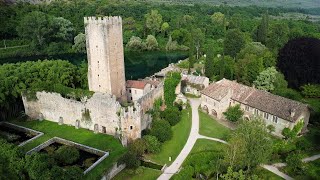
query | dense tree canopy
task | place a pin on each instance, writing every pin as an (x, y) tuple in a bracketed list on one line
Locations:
[(299, 61)]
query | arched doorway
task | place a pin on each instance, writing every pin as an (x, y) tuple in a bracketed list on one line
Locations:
[(214, 113), (205, 109), (246, 118)]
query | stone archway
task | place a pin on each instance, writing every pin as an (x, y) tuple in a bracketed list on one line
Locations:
[(205, 109), (214, 113)]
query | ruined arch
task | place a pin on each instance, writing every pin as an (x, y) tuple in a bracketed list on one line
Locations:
[(205, 109), (214, 113)]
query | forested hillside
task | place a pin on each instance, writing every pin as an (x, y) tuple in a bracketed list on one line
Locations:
[(262, 3)]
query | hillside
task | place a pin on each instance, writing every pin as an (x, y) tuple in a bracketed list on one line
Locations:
[(264, 3)]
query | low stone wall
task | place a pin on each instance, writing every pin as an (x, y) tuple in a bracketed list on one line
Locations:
[(24, 129), (89, 149), (116, 169)]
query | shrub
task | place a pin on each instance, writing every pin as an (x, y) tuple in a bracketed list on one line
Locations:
[(311, 90), (152, 143), (138, 147), (271, 128), (67, 154), (172, 115), (162, 130), (294, 162), (291, 134), (131, 160), (288, 93), (233, 113)]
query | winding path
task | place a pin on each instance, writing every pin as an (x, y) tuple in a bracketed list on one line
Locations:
[(193, 136)]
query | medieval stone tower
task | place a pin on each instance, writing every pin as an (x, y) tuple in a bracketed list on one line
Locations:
[(105, 55)]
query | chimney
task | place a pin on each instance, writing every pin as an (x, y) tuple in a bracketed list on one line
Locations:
[(292, 112)]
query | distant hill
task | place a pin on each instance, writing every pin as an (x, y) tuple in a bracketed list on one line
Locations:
[(263, 3), (304, 4)]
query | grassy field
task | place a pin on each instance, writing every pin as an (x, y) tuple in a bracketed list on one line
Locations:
[(173, 147), (142, 173), (100, 141), (210, 127)]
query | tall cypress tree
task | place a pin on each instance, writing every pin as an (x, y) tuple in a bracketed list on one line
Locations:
[(209, 65), (262, 31)]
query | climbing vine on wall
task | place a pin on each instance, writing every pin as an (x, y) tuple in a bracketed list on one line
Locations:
[(170, 84)]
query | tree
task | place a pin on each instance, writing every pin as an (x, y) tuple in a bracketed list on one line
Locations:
[(197, 40), (161, 129), (234, 42), (311, 90), (250, 145), (153, 145), (172, 45), (151, 43), (262, 30), (79, 45), (218, 18), (234, 175), (67, 154), (62, 28), (153, 21), (136, 44), (165, 27), (278, 35), (269, 80), (233, 113), (172, 115), (291, 134), (35, 26), (248, 68), (209, 65), (294, 162), (11, 161), (39, 165), (297, 61)]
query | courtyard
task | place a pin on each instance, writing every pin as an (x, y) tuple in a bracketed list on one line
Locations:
[(82, 136)]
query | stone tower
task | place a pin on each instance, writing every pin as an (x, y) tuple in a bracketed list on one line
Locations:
[(105, 55)]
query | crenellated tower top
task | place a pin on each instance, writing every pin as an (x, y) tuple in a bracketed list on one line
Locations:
[(103, 20)]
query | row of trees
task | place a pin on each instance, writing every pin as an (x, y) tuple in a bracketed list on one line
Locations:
[(37, 75)]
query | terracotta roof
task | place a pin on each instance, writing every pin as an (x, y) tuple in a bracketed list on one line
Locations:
[(262, 100), (135, 84)]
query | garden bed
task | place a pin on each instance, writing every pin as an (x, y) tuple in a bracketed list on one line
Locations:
[(17, 134), (88, 157)]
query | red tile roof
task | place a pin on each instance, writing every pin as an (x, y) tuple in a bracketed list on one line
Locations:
[(136, 84)]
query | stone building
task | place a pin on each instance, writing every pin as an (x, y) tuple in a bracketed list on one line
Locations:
[(105, 55), (101, 113), (138, 88), (275, 110), (191, 84)]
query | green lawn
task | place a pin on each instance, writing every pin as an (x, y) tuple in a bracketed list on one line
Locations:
[(210, 127), (142, 173), (204, 155), (173, 147), (100, 141)]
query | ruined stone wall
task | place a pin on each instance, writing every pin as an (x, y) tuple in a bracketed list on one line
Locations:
[(146, 103), (106, 114), (105, 55)]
